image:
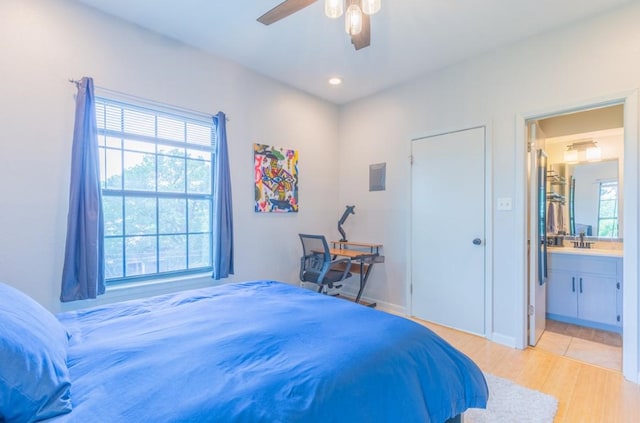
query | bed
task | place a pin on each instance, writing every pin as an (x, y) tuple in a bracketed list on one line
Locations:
[(259, 351)]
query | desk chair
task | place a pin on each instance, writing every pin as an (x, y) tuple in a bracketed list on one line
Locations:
[(317, 266)]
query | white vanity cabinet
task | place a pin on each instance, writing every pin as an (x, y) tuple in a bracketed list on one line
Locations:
[(585, 289)]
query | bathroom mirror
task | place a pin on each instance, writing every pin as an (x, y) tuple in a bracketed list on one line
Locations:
[(594, 200), (586, 160)]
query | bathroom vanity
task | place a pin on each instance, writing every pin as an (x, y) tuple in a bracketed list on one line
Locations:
[(584, 287)]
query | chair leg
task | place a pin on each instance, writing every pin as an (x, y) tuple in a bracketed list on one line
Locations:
[(320, 288)]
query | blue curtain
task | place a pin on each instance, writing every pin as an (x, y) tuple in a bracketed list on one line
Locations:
[(83, 272), (223, 214)]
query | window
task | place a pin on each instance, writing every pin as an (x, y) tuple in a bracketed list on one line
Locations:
[(157, 190), (608, 209)]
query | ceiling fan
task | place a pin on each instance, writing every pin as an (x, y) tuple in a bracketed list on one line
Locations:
[(357, 16)]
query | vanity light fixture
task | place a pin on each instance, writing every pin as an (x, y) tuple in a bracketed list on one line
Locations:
[(582, 150), (594, 154), (571, 155)]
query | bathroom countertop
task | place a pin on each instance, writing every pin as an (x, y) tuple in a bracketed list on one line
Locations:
[(586, 251)]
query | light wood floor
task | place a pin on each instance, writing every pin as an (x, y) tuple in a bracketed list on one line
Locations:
[(585, 393)]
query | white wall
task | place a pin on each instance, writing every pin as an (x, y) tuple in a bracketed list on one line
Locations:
[(578, 64), (43, 43)]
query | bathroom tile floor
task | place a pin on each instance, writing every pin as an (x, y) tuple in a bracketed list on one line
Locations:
[(588, 345)]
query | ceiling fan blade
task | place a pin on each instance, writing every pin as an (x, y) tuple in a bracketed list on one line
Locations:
[(363, 39), (283, 10)]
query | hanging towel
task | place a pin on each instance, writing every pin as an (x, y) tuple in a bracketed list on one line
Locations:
[(560, 219), (551, 219)]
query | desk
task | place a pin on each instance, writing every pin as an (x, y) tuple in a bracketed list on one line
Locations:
[(363, 257)]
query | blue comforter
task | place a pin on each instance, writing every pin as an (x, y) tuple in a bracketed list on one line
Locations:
[(261, 351)]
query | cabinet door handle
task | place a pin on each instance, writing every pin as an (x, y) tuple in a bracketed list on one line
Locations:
[(581, 285), (573, 284)]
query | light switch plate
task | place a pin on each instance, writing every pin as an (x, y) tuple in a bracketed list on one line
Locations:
[(504, 203)]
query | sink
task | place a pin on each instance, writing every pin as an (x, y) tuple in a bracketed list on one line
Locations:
[(607, 252)]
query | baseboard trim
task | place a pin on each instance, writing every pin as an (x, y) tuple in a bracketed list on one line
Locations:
[(389, 307), (382, 305), (505, 340)]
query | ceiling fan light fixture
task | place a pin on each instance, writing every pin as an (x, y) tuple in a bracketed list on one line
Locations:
[(333, 8), (357, 24), (370, 7), (353, 19)]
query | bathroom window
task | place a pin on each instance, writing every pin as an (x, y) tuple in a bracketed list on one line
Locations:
[(608, 210)]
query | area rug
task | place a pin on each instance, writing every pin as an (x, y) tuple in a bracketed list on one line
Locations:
[(509, 402)]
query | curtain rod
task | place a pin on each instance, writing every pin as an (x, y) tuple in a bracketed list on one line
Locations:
[(76, 82)]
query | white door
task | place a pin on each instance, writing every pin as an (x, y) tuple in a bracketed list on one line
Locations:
[(448, 229), (537, 263)]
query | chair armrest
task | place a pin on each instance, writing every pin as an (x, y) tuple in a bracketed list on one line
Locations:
[(347, 266), (302, 259)]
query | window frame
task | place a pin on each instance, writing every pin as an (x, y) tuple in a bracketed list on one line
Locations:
[(205, 156), (601, 186)]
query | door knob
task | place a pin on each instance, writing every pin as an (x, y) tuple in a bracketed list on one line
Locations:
[(477, 241)]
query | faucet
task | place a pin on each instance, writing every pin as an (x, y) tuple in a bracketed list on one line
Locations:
[(582, 243)]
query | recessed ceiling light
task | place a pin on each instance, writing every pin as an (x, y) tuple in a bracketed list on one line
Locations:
[(335, 81)]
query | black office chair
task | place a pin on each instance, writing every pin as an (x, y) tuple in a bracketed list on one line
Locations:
[(317, 266)]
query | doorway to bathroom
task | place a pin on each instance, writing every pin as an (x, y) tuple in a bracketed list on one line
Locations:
[(578, 161)]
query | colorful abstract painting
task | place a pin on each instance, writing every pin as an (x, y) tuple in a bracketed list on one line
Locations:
[(276, 179)]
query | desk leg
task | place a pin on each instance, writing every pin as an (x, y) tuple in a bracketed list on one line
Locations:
[(364, 276)]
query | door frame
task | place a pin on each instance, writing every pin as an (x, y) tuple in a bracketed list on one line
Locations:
[(631, 302), (488, 221)]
